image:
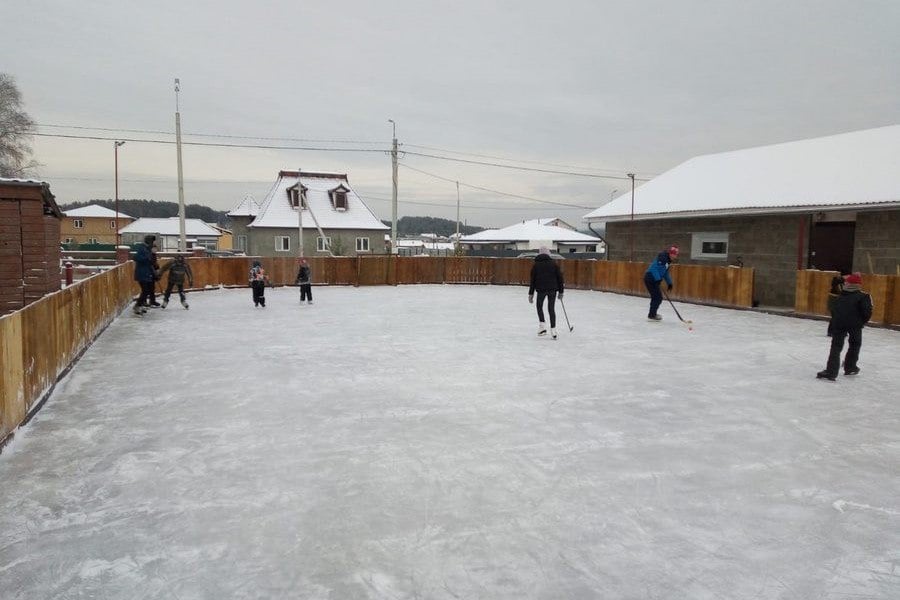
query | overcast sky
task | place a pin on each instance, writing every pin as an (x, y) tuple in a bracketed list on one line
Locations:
[(596, 87)]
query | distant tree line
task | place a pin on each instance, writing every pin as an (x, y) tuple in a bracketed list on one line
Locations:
[(408, 226), (158, 209)]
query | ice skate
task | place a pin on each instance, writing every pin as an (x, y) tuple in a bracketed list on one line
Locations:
[(137, 310), (553, 332), (826, 375), (853, 371), (185, 304), (542, 328), (654, 318), (309, 301), (165, 303)]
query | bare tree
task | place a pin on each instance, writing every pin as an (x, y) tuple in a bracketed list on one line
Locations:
[(15, 131)]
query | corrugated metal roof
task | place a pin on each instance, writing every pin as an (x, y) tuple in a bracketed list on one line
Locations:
[(837, 172)]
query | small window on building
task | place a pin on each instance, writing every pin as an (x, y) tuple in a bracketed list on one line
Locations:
[(282, 243), (78, 223), (293, 196), (112, 224), (710, 246), (68, 241), (362, 244), (340, 200), (92, 240), (242, 242), (323, 244)]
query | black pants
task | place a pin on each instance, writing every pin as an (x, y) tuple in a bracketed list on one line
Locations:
[(147, 288), (837, 344), (655, 294), (178, 286), (551, 306), (259, 292), (306, 292)]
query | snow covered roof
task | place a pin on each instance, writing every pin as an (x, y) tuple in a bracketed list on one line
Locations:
[(170, 226), (16, 180), (536, 229), (276, 209), (849, 170), (95, 210), (248, 207)]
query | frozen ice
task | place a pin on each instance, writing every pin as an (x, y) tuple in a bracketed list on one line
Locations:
[(424, 442)]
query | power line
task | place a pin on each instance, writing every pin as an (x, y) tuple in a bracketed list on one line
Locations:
[(207, 144), (478, 162), (484, 189), (213, 135)]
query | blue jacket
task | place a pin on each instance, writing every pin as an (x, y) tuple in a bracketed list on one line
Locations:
[(659, 268), (143, 261)]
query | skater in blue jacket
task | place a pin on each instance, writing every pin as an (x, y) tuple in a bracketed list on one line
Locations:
[(656, 272)]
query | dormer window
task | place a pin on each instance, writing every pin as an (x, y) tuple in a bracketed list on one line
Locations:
[(339, 197), (293, 195)]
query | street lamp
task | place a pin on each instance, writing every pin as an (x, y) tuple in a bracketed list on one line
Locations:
[(116, 149)]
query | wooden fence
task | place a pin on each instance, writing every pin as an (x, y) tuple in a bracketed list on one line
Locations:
[(41, 341), (813, 287)]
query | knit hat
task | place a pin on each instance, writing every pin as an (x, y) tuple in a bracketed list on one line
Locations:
[(149, 239), (544, 250), (854, 278), (673, 250)]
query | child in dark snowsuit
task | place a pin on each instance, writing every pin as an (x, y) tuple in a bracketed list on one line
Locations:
[(547, 279), (655, 273), (837, 284), (852, 310), (258, 279), (178, 269), (304, 276)]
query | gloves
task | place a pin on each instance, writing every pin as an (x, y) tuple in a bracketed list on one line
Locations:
[(530, 298), (670, 287)]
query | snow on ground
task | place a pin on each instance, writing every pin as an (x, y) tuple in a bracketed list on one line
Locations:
[(423, 442)]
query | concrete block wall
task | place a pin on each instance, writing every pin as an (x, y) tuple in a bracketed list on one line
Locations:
[(877, 238)]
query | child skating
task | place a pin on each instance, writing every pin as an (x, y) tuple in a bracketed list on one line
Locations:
[(178, 269)]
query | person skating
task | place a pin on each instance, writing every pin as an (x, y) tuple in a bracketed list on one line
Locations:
[(143, 273), (304, 278), (178, 269), (837, 284), (547, 280), (850, 312), (655, 273), (154, 263), (258, 279)]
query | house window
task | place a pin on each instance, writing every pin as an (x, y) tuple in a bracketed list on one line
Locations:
[(323, 244), (92, 240), (340, 200), (242, 242), (710, 246), (292, 195), (68, 241), (362, 244), (112, 224), (282, 243), (78, 223)]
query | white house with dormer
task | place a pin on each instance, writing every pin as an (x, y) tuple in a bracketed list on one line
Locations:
[(335, 220), (552, 233)]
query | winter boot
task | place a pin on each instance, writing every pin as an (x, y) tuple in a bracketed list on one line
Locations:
[(826, 375), (553, 332), (165, 303), (654, 317), (542, 328)]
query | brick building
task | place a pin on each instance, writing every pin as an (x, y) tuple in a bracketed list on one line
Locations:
[(29, 243), (829, 203)]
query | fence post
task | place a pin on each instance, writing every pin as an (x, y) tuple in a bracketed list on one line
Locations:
[(70, 273)]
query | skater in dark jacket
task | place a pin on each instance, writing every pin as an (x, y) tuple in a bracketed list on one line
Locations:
[(655, 273), (154, 262), (304, 279), (851, 311), (258, 279), (178, 269), (547, 279), (143, 273), (837, 284)]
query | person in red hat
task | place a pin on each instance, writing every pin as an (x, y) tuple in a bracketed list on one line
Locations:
[(849, 313), (656, 272)]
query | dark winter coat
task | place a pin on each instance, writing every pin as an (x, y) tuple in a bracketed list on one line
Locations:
[(304, 274), (143, 264), (851, 310), (178, 269), (659, 268), (546, 275)]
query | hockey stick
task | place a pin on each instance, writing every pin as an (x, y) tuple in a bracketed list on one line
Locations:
[(686, 322), (561, 303)]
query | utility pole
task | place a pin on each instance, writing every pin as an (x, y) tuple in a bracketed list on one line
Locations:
[(182, 241), (457, 217), (394, 193), (631, 227), (300, 212), (116, 150)]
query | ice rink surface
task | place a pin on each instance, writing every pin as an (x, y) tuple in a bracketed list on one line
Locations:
[(423, 442)]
